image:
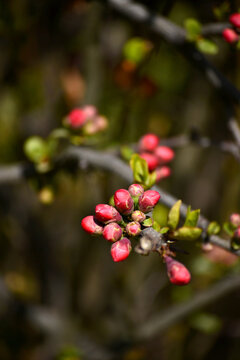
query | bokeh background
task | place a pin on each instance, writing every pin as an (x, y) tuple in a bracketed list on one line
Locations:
[(61, 296)]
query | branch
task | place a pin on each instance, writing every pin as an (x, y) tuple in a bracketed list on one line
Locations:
[(176, 36), (177, 313), (108, 162), (214, 29)]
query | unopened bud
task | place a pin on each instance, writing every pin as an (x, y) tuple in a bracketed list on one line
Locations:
[(148, 142), (138, 215), (106, 214), (133, 228), (230, 36), (178, 273), (164, 154), (235, 219), (121, 249), (151, 160), (235, 20), (136, 190), (76, 118), (236, 234), (162, 172), (91, 225), (148, 200), (112, 232), (123, 202), (90, 111)]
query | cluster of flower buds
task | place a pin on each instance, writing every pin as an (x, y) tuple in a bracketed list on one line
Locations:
[(124, 219), (87, 119), (178, 273), (155, 155), (232, 35)]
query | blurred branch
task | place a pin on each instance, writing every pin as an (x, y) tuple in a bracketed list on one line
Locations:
[(109, 162), (214, 29), (177, 313), (176, 36), (232, 124)]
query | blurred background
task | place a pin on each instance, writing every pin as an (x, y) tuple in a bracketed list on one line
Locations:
[(61, 295)]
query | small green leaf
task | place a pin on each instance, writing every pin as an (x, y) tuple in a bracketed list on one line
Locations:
[(228, 228), (192, 217), (111, 201), (148, 222), (126, 152), (156, 226), (136, 49), (187, 233), (207, 46), (36, 149), (193, 29), (150, 180), (213, 228), (174, 215), (140, 168), (235, 244), (164, 230)]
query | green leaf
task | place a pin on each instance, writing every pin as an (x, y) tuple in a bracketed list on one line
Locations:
[(235, 244), (213, 228), (193, 29), (140, 168), (207, 46), (111, 201), (187, 233), (228, 228), (148, 222), (136, 49), (126, 152), (156, 226), (164, 230), (207, 323), (192, 217), (36, 149), (174, 215), (150, 180)]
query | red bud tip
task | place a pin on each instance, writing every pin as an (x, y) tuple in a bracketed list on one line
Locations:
[(162, 172), (91, 225), (121, 249), (148, 200), (136, 190), (148, 142), (151, 160), (235, 219), (178, 273), (112, 232), (164, 154), (123, 202), (230, 35), (235, 20), (106, 213), (76, 118), (138, 216), (133, 228)]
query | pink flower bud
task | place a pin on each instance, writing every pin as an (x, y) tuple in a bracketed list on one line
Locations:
[(235, 20), (235, 219), (148, 200), (123, 202), (90, 111), (121, 249), (106, 213), (138, 215), (178, 274), (236, 234), (148, 142), (76, 118), (91, 225), (162, 172), (230, 35), (136, 190), (164, 154), (133, 228), (151, 160), (112, 232), (101, 123)]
